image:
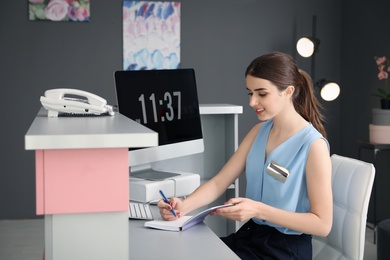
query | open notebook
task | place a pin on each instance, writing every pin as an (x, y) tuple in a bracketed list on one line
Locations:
[(184, 222)]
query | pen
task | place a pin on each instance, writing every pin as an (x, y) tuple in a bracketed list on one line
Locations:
[(167, 201)]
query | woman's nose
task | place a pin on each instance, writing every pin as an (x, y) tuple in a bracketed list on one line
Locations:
[(252, 101)]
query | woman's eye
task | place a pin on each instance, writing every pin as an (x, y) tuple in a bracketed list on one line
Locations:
[(259, 94)]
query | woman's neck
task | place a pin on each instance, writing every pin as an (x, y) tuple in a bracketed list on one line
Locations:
[(288, 123)]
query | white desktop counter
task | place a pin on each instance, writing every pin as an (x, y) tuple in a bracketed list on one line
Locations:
[(197, 242), (82, 182), (68, 132)]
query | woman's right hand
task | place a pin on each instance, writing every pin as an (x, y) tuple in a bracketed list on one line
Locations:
[(165, 208)]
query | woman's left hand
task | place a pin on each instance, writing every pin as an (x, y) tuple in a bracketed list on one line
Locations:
[(243, 209)]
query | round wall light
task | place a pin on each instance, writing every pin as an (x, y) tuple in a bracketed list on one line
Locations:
[(330, 91), (306, 46)]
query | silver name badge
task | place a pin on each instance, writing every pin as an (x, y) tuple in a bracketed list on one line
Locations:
[(277, 171)]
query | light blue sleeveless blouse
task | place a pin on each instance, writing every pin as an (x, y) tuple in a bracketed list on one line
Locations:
[(291, 154)]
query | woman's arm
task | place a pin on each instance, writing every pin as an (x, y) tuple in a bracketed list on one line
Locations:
[(318, 221), (216, 186)]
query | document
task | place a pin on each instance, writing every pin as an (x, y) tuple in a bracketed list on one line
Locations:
[(184, 222)]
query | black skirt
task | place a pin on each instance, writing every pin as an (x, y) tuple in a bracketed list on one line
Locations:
[(253, 241)]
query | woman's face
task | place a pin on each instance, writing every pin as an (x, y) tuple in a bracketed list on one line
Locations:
[(265, 98)]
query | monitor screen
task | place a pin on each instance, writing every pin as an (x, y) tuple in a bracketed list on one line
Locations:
[(165, 101)]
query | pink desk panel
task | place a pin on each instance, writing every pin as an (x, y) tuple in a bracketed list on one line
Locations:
[(82, 180)]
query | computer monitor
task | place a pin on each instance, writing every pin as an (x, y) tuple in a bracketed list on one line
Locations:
[(165, 101)]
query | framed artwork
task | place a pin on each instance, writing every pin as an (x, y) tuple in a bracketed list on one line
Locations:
[(151, 35), (59, 10)]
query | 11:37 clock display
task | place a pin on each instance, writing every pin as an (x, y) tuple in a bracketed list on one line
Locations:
[(163, 108)]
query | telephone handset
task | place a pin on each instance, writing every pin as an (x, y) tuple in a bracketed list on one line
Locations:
[(74, 101)]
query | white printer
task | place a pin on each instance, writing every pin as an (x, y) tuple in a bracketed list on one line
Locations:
[(145, 187)]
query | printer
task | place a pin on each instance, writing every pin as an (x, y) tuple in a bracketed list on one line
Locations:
[(174, 184)]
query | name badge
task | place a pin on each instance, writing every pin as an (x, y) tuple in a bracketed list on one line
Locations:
[(277, 171)]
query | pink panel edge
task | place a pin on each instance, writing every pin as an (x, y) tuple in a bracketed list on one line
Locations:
[(39, 179)]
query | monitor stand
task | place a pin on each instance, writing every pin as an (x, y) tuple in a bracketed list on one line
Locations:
[(152, 175)]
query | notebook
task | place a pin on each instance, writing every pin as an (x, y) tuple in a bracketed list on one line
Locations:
[(184, 222)]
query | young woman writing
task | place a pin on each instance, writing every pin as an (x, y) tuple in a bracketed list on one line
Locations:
[(287, 164)]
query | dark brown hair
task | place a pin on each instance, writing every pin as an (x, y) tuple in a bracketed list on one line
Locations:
[(282, 71)]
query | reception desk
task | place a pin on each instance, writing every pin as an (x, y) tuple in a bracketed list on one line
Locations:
[(82, 182)]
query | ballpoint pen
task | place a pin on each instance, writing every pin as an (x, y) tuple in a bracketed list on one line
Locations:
[(167, 201)]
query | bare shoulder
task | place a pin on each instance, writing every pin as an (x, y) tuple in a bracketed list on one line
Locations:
[(319, 157), (319, 148), (250, 137), (253, 132), (255, 129)]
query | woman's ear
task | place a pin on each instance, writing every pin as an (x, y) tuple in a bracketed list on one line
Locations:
[(290, 90)]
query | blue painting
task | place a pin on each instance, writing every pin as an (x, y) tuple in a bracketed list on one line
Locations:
[(151, 35)]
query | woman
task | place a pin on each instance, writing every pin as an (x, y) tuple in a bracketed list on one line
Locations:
[(287, 164)]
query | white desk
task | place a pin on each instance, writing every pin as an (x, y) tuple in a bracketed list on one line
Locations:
[(198, 242), (82, 182)]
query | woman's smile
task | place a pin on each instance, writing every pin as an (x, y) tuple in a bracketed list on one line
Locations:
[(259, 111)]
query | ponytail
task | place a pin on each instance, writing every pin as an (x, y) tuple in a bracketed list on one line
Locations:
[(307, 105)]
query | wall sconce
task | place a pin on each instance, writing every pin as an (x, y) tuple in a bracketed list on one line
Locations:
[(329, 90), (307, 47)]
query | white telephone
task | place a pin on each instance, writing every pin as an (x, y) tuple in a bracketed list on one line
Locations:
[(74, 101)]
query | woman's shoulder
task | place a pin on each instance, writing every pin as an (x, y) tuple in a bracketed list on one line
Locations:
[(256, 128), (251, 135)]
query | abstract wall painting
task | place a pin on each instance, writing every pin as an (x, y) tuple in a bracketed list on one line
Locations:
[(151, 35), (59, 10)]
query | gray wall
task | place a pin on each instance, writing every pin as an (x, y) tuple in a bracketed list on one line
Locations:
[(219, 39), (365, 34)]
